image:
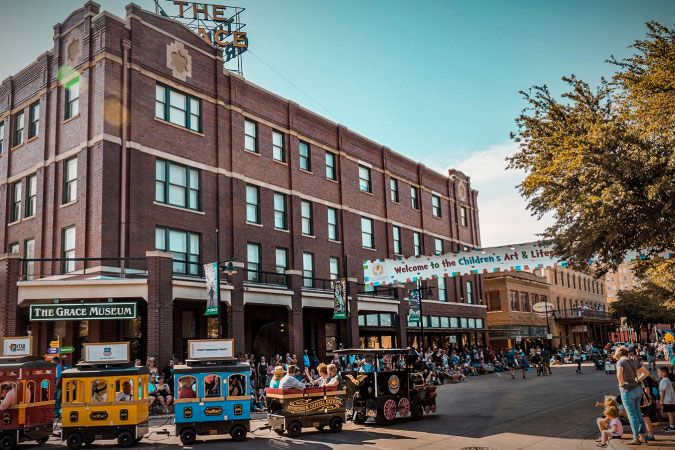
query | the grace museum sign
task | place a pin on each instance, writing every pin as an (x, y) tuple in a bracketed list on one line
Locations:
[(82, 311)]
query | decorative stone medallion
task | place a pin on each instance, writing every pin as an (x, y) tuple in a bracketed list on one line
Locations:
[(462, 191), (73, 48), (178, 60)]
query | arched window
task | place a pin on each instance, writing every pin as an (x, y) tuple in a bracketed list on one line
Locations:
[(73, 391), (99, 391), (29, 395), (124, 390), (44, 390), (236, 385), (187, 387), (212, 386)]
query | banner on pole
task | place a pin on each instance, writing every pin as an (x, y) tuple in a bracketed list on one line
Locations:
[(339, 288), (212, 286), (414, 312)]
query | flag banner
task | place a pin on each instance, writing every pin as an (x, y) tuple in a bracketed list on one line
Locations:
[(493, 259), (414, 312), (339, 306), (516, 257), (211, 275)]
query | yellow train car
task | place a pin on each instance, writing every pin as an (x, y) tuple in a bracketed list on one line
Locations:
[(104, 401)]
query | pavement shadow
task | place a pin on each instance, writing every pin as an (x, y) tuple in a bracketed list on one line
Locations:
[(360, 436)]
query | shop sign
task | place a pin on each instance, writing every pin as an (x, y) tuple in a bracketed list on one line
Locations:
[(542, 307), (211, 349), (549, 336), (82, 311), (453, 339), (339, 306), (17, 346), (106, 352), (211, 275)]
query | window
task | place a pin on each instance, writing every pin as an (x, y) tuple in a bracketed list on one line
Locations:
[(525, 299), (331, 171), (464, 221), (364, 179), (2, 135), (72, 98), (494, 303), (281, 258), (308, 269), (515, 300), (29, 253), (188, 388), (68, 249), (436, 205), (251, 136), (555, 276), (177, 185), (396, 234), (18, 128), (333, 224), (73, 391), (305, 156), (334, 268), (31, 195), (185, 247), (278, 146), (15, 212), (417, 247), (252, 204), (463, 322), (212, 385), (307, 218), (69, 180), (454, 322), (280, 221), (181, 109), (33, 119), (441, 290), (413, 198), (253, 262), (367, 233), (438, 246), (393, 187), (469, 292)]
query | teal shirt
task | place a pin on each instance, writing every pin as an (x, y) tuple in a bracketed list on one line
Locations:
[(274, 383)]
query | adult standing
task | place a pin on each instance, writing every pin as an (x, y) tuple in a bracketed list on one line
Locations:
[(577, 357), (58, 381), (262, 372), (511, 361), (651, 357), (631, 394)]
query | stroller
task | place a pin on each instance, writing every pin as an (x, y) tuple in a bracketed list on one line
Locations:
[(599, 364)]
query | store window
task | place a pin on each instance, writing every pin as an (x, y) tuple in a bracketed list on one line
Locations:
[(251, 136), (386, 320), (177, 185), (278, 146), (178, 108), (372, 320), (185, 246)]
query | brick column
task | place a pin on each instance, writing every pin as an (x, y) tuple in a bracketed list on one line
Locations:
[(236, 313), (402, 324), (296, 327), (160, 331), (353, 321), (10, 271)]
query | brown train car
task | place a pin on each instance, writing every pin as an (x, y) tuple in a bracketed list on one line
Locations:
[(294, 409)]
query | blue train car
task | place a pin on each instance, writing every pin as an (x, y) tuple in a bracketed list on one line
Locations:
[(212, 398)]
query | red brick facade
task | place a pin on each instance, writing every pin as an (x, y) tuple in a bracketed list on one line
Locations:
[(105, 133)]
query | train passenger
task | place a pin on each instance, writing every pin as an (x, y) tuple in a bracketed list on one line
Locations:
[(335, 379), (323, 375), (100, 393), (186, 389), (125, 395), (278, 373), (236, 387), (289, 381), (7, 396)]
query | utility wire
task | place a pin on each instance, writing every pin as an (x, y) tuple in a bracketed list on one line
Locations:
[(294, 85)]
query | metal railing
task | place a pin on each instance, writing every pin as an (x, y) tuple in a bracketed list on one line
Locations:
[(375, 291), (267, 278), (321, 284), (83, 268), (579, 313)]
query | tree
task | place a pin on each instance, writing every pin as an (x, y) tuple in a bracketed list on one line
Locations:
[(603, 160), (643, 307)]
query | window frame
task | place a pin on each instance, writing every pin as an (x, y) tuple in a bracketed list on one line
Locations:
[(187, 262), (283, 213), (18, 135), (333, 167), (255, 206), (417, 244), (2, 136), (68, 266), (276, 147), (309, 220), (393, 190), (436, 250), (308, 281), (16, 200), (31, 196), (256, 145), (365, 183), (414, 198), (307, 159), (333, 228), (370, 235), (331, 260), (187, 187), (71, 103), (34, 119), (442, 287), (276, 259), (464, 219), (395, 230), (188, 108), (436, 206), (253, 274), (28, 266), (67, 182)]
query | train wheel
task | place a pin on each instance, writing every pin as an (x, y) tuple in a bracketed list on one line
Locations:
[(74, 441), (294, 429), (238, 433), (360, 419), (386, 414), (403, 407), (124, 439), (188, 436), (7, 442), (335, 425), (417, 412)]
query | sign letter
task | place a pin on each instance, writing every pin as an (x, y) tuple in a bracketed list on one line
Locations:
[(181, 5)]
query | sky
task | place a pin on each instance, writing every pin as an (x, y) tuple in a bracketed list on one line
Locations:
[(437, 81)]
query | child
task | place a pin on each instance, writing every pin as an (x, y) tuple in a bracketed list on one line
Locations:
[(610, 401), (667, 400), (615, 428)]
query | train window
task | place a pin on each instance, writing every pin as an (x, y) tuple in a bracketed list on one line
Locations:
[(187, 387), (124, 390), (73, 391), (212, 385), (99, 391), (29, 396), (44, 390), (237, 385)]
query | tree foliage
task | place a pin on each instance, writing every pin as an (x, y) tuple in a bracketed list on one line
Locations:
[(602, 160), (643, 307)]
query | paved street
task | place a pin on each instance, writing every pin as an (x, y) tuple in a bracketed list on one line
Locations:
[(491, 411)]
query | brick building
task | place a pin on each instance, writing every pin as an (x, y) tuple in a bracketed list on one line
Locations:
[(124, 149)]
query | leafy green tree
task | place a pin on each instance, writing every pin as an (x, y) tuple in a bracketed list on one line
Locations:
[(643, 307), (602, 160)]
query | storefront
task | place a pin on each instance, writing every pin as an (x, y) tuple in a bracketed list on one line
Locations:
[(447, 332), (377, 330)]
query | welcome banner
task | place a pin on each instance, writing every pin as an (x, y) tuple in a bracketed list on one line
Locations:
[(484, 260)]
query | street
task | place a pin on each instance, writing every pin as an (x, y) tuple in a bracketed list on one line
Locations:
[(490, 411)]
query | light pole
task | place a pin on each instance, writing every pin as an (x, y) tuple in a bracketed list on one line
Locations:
[(229, 270)]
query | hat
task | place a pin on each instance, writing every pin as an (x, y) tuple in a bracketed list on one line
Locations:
[(100, 386), (209, 379), (278, 370), (186, 382)]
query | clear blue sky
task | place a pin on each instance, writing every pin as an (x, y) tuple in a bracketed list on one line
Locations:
[(435, 80)]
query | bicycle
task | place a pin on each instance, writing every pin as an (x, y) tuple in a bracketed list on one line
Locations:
[(541, 369)]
